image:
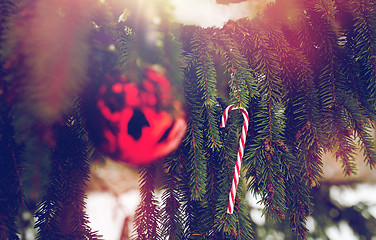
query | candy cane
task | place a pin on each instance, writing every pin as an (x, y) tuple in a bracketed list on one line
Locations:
[(238, 164)]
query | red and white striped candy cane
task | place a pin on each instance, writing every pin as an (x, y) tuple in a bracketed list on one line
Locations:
[(239, 158)]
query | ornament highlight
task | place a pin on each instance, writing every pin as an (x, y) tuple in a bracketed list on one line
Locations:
[(239, 157), (139, 122)]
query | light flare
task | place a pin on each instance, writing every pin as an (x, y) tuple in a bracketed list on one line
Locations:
[(207, 13)]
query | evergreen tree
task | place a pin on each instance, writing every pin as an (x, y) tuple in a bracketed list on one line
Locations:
[(304, 70)]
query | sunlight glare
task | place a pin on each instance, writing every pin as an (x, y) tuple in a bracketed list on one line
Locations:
[(207, 13)]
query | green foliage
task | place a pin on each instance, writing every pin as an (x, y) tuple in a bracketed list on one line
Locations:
[(172, 211), (61, 213), (304, 70), (146, 221), (10, 190)]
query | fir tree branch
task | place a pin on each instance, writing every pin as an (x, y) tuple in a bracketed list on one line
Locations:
[(299, 205), (270, 174), (62, 214), (241, 82), (210, 113), (237, 225), (297, 75), (197, 166), (302, 132), (188, 205), (367, 144), (171, 213), (365, 39), (335, 133), (205, 74), (346, 148), (298, 198), (11, 198), (146, 217), (244, 223), (214, 168), (196, 85), (361, 129), (309, 154), (194, 140), (125, 40)]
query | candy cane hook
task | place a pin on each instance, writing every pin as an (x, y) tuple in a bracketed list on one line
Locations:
[(239, 157)]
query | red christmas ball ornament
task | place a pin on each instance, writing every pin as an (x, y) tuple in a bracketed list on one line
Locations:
[(140, 122)]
